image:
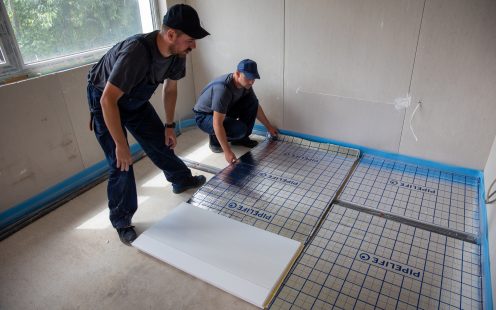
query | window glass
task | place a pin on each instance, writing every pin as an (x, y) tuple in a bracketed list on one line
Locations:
[(48, 29), (2, 58)]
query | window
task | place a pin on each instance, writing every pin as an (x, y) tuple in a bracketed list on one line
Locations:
[(2, 58), (46, 35)]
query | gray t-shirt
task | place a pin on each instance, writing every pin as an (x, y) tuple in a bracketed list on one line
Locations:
[(220, 94), (128, 64)]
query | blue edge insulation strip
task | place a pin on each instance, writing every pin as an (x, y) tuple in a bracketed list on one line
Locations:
[(87, 176)]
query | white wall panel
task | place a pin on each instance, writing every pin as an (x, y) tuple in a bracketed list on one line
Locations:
[(39, 147), (455, 77), (72, 84), (345, 63)]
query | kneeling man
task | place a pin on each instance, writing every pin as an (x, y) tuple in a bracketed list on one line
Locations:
[(227, 108)]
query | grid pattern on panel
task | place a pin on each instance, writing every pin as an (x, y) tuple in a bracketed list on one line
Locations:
[(429, 195), (279, 186), (340, 150), (360, 261)]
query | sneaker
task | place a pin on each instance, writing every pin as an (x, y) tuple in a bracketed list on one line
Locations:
[(127, 234), (192, 182), (245, 142), (214, 144)]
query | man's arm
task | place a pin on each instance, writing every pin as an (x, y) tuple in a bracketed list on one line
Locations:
[(112, 117), (263, 119), (169, 97), (220, 133)]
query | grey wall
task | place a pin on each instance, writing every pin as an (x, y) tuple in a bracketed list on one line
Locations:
[(243, 29), (335, 68), (455, 77), (489, 177), (39, 146), (345, 63)]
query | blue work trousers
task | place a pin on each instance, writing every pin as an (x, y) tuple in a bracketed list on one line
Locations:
[(147, 128), (238, 123)]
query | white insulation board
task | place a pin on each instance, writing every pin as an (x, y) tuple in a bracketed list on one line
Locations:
[(240, 259)]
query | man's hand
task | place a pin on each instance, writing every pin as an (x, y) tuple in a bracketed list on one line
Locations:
[(112, 118), (273, 131), (220, 133), (123, 156), (263, 119), (170, 138), (230, 157)]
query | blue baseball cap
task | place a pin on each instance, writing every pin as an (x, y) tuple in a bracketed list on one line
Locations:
[(249, 68)]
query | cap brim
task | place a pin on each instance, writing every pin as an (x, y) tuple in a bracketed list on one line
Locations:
[(251, 76), (197, 34)]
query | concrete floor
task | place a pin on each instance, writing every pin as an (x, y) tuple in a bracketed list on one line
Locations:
[(72, 258)]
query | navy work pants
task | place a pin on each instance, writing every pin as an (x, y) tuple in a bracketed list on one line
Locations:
[(238, 123), (147, 128)]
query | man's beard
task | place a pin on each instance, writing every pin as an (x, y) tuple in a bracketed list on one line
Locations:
[(183, 53)]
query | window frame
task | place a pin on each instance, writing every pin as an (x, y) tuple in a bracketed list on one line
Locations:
[(8, 44), (14, 67)]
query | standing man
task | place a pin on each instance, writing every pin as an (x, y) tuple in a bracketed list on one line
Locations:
[(119, 88), (227, 108)]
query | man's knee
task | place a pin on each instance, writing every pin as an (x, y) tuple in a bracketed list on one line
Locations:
[(205, 123)]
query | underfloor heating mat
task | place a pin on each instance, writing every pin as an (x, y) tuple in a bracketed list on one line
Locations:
[(282, 186), (399, 236), (362, 261), (411, 191), (373, 233)]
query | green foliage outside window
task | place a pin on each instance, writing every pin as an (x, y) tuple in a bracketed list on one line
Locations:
[(47, 29)]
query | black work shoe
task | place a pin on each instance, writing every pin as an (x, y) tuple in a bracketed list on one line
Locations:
[(192, 182), (214, 144), (127, 234), (245, 142)]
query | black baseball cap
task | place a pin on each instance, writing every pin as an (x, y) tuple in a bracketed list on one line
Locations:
[(184, 18)]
